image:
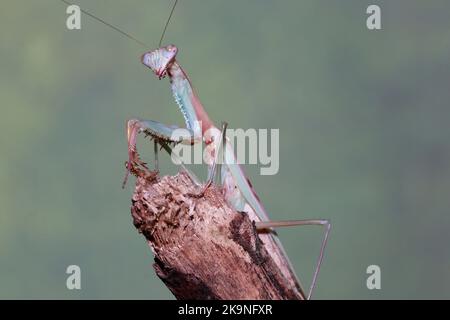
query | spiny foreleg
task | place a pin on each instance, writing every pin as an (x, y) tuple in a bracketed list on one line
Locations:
[(163, 135)]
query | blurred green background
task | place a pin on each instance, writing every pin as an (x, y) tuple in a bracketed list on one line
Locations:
[(364, 129)]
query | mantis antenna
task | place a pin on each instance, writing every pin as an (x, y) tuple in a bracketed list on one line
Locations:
[(167, 23), (109, 25)]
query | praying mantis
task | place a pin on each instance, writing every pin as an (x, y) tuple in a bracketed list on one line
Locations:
[(235, 185)]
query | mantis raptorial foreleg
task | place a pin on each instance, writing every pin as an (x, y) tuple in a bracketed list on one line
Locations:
[(162, 135), (266, 226), (159, 131)]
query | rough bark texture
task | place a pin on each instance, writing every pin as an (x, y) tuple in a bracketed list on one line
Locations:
[(203, 249)]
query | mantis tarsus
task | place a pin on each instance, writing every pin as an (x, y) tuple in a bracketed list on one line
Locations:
[(237, 189)]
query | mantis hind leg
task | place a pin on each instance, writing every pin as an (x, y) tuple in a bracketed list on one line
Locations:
[(268, 225)]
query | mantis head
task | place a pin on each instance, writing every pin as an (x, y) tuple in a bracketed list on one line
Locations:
[(160, 60)]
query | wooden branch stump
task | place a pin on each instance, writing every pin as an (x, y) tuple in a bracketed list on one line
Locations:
[(203, 249)]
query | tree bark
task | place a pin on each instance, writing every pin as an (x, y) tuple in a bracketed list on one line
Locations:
[(203, 249)]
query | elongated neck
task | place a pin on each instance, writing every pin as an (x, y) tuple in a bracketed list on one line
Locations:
[(188, 101)]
